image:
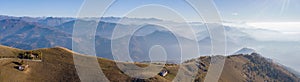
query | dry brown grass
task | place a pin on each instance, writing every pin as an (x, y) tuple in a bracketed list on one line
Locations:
[(57, 65)]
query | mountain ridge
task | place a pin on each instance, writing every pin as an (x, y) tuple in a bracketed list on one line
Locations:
[(33, 33), (57, 65)]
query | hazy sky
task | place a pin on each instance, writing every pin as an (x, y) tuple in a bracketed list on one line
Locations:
[(240, 10)]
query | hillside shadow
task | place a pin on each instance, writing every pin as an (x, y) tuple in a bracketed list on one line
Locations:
[(17, 63)]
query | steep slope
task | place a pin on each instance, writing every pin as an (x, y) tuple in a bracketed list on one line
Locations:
[(255, 68)]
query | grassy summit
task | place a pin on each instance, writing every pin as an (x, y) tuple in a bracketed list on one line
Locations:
[(57, 65)]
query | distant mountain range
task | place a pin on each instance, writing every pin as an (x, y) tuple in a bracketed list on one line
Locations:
[(246, 64), (43, 32), (31, 33), (34, 33)]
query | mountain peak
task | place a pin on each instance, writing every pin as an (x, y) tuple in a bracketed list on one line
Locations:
[(245, 50)]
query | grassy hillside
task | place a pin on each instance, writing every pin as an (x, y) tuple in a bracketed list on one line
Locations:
[(57, 66)]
